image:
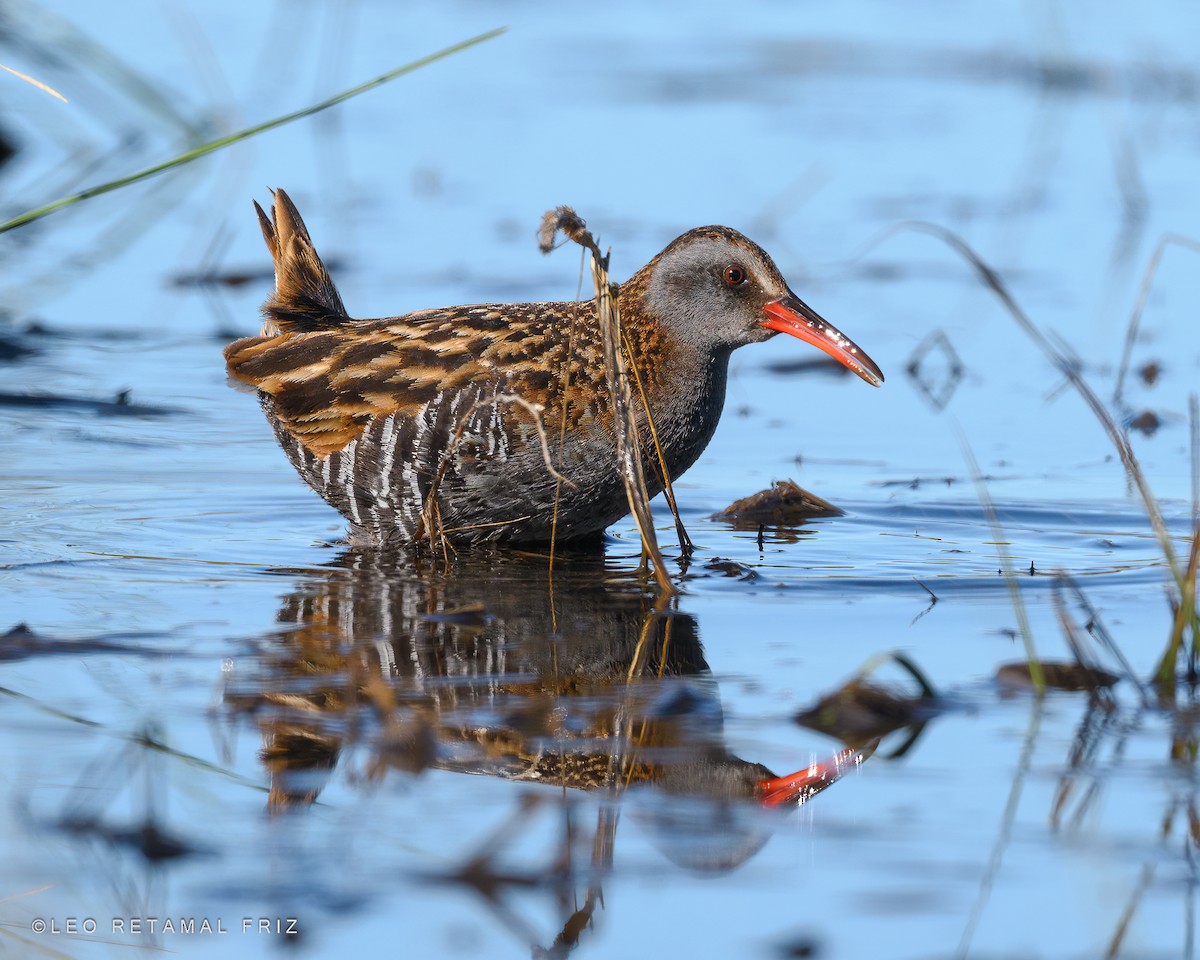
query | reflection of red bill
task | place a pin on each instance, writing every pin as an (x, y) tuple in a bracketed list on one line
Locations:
[(803, 785), (793, 316)]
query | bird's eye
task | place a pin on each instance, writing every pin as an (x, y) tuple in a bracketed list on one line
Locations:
[(735, 275)]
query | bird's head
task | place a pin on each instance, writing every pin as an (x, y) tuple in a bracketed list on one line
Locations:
[(719, 290)]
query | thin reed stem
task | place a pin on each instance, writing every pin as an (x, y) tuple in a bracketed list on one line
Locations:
[(1010, 580), (221, 142)]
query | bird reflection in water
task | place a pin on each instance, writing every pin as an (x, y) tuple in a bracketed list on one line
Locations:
[(586, 681)]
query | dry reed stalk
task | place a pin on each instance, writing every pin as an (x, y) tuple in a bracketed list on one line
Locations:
[(1003, 835), (629, 452), (686, 546), (616, 368)]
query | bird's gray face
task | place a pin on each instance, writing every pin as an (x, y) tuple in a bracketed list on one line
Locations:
[(719, 290)]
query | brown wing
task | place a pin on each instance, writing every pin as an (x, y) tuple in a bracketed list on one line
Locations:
[(330, 375), (329, 384)]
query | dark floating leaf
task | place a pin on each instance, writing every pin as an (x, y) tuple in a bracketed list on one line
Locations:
[(1058, 676), (783, 505)]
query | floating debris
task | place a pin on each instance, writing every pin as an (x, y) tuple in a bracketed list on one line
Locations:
[(785, 504), (1058, 675)]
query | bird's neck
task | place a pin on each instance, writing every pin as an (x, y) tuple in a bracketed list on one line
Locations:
[(683, 384), (687, 418)]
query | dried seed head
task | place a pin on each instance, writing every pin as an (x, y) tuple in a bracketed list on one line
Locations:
[(572, 226)]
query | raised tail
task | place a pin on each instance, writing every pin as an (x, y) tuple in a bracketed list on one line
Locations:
[(305, 298)]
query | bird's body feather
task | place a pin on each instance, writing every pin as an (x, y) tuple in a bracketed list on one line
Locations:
[(465, 409)]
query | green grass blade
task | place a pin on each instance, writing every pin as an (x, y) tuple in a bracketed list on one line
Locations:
[(214, 145)]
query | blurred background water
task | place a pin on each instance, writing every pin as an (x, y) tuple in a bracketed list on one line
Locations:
[(154, 538)]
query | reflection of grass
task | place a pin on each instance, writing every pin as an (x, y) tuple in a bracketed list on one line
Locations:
[(221, 142), (1010, 578), (139, 740), (1185, 633), (1000, 845)]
